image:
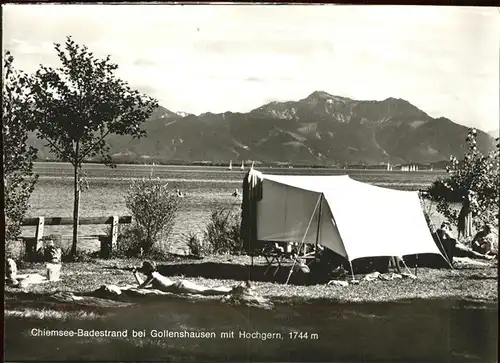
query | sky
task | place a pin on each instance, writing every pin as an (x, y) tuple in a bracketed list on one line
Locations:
[(217, 58)]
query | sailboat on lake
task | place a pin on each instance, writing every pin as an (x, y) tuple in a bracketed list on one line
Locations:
[(242, 165), (230, 165)]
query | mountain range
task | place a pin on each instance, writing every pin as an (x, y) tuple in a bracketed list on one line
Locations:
[(321, 129)]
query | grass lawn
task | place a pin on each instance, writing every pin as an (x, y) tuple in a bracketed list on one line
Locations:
[(365, 322), (465, 282)]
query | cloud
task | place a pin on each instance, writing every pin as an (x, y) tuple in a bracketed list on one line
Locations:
[(254, 79), (28, 48), (227, 57), (141, 62), (148, 90)]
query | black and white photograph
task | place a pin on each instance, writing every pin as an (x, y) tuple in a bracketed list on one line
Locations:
[(250, 182)]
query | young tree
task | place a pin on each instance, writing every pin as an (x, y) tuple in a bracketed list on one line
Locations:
[(79, 104), (474, 182), (18, 157)]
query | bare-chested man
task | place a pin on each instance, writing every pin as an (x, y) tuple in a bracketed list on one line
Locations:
[(163, 283)]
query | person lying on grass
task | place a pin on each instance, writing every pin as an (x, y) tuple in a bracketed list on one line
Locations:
[(163, 283)]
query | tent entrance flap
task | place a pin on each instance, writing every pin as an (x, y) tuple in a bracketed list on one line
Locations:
[(287, 214), (318, 203)]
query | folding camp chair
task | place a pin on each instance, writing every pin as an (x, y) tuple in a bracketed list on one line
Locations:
[(276, 254)]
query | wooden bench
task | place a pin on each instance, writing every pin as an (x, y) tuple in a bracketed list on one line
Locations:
[(108, 242)]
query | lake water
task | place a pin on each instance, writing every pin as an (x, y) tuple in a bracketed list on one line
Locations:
[(205, 188)]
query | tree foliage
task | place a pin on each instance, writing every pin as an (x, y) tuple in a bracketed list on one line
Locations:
[(82, 102), (76, 106), (477, 175), (18, 157)]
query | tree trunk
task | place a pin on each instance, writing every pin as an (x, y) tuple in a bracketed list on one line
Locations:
[(76, 205)]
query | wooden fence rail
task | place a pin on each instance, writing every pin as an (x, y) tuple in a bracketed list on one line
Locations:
[(56, 221), (108, 243)]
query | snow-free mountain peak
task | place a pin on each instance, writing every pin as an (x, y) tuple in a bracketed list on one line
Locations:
[(319, 129)]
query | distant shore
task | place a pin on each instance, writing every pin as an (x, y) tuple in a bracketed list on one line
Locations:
[(440, 166)]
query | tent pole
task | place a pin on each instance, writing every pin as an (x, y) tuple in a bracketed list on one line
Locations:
[(318, 229), (352, 270)]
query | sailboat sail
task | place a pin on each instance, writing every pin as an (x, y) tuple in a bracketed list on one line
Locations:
[(230, 165), (242, 165)]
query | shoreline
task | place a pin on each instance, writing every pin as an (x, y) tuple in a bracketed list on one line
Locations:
[(271, 165)]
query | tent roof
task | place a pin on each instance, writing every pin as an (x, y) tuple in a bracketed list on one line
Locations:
[(369, 220), (325, 183), (315, 183)]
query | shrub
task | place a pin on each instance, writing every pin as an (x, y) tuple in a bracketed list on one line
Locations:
[(223, 231), (154, 209), (129, 245), (197, 247)]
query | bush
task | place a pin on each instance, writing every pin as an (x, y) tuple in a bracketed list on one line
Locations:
[(223, 231), (130, 245), (197, 247), (154, 209)]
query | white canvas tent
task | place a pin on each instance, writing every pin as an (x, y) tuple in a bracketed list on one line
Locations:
[(351, 218)]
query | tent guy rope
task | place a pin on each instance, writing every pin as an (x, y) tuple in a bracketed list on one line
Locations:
[(304, 237)]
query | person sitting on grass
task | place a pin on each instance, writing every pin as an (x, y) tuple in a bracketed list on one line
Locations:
[(481, 243), (163, 283), (13, 279), (11, 273)]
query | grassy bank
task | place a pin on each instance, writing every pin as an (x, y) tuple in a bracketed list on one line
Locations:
[(348, 323), (465, 282)]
